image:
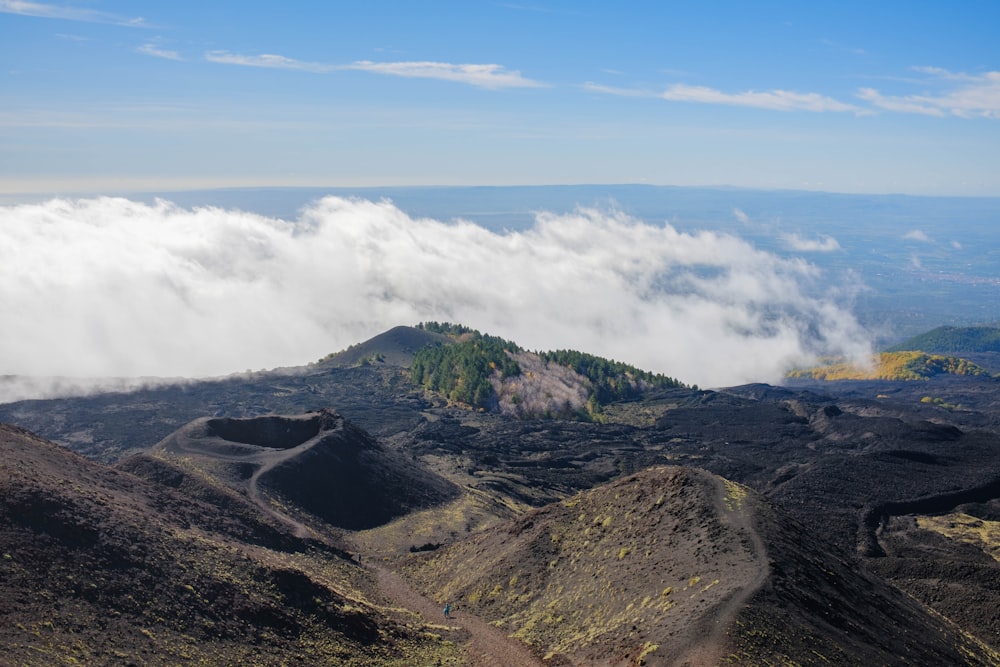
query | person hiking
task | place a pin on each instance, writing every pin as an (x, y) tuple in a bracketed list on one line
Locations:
[(447, 611)]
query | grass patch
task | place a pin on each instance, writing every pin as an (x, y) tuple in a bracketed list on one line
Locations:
[(966, 528)]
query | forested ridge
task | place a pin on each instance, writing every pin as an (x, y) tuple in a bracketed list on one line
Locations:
[(612, 380), (462, 371), (947, 339)]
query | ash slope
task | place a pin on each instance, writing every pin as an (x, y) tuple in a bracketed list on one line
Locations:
[(101, 567), (319, 463), (676, 566)]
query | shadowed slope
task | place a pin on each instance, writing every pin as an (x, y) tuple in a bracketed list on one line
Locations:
[(319, 463)]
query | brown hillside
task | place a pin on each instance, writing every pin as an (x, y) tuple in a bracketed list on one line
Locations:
[(677, 566), (101, 567)]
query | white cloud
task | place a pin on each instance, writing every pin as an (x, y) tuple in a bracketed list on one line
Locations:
[(917, 235), (799, 244), (620, 92), (48, 11), (741, 216), (968, 96), (111, 287), (483, 76), (156, 52), (267, 60), (775, 100), (899, 104)]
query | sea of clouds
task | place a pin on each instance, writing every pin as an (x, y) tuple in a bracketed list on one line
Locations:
[(109, 287)]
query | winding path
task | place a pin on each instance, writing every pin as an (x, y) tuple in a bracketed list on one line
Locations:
[(488, 646), (263, 458), (711, 641)]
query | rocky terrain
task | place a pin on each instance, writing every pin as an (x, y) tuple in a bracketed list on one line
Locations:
[(103, 567), (672, 566), (845, 522)]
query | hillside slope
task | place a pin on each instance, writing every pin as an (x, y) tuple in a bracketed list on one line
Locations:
[(951, 340), (319, 463), (395, 347), (893, 366), (100, 567), (677, 566)]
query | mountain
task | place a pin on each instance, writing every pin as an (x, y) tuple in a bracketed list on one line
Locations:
[(677, 566), (953, 340), (891, 486), (318, 463), (396, 347), (102, 567)]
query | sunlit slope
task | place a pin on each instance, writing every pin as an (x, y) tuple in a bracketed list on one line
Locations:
[(893, 366), (677, 566)]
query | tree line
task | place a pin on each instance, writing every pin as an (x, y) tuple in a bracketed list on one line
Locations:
[(462, 371), (611, 380)]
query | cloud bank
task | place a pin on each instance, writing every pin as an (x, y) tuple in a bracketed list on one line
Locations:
[(112, 287)]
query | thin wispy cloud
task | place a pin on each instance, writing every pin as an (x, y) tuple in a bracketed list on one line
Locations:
[(67, 13), (268, 61), (157, 52), (968, 96), (911, 104), (614, 90), (483, 76), (800, 244), (775, 100), (917, 235), (965, 96)]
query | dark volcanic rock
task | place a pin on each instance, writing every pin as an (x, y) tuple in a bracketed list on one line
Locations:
[(101, 567), (846, 460), (320, 463)]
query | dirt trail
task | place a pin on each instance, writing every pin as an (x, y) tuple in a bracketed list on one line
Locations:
[(710, 642), (488, 646), (253, 492), (264, 458)]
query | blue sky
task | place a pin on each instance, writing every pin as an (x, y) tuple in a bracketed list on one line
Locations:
[(104, 96)]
